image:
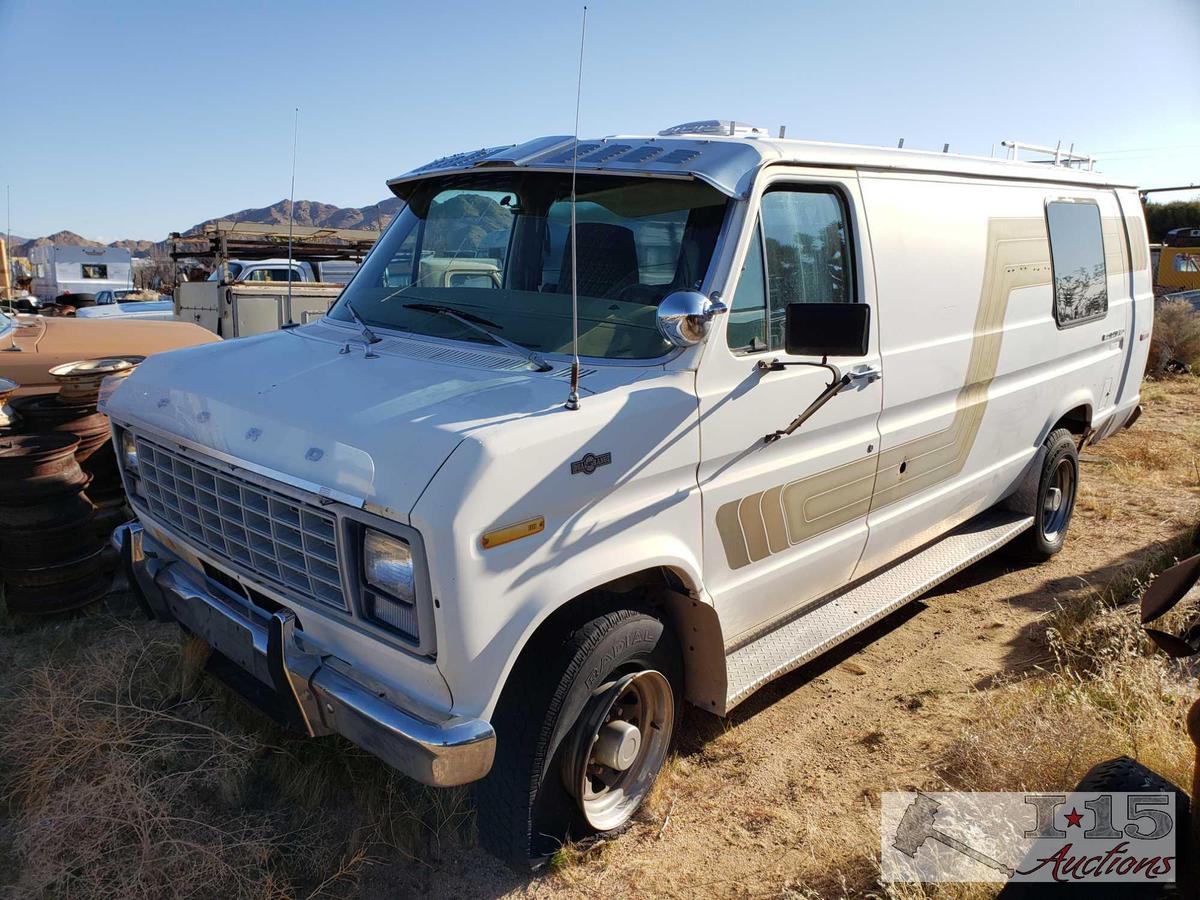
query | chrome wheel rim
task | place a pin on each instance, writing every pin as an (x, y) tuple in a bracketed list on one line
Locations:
[(621, 743), (1059, 500)]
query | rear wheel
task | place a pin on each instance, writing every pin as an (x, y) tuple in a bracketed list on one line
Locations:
[(583, 729), (1055, 500)]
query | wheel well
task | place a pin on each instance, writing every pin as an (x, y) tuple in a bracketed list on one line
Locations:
[(659, 591), (1077, 421)]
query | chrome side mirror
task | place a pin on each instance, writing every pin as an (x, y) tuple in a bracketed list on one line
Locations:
[(684, 317)]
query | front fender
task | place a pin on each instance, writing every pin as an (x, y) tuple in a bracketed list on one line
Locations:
[(640, 510)]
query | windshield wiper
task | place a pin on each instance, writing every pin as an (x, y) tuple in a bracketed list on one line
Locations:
[(481, 325)]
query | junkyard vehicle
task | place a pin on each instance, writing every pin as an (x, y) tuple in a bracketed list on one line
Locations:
[(330, 271), (129, 305), (104, 298), (242, 309), (32, 345), (248, 290), (60, 269), (397, 522), (1179, 260)]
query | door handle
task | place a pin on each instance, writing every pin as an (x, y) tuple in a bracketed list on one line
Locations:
[(866, 373)]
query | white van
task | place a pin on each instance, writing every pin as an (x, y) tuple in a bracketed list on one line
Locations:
[(814, 381)]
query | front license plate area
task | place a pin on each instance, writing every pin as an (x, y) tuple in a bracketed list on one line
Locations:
[(225, 635)]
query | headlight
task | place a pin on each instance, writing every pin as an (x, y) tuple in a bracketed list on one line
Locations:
[(388, 565), (389, 597), (129, 454)]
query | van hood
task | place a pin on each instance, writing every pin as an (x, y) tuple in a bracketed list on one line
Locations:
[(366, 431)]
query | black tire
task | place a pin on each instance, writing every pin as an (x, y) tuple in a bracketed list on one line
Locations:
[(1122, 774), (1060, 471), (1125, 774), (524, 812)]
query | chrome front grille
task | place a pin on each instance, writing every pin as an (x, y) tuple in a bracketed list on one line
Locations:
[(282, 542)]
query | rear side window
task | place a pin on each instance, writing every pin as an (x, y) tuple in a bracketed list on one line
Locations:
[(1077, 257), (800, 254), (272, 275)]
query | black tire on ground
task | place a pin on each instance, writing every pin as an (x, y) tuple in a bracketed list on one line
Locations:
[(524, 812), (1060, 472), (1121, 774), (1125, 774)]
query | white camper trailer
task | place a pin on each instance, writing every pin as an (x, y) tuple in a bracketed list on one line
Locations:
[(69, 269), (813, 381)]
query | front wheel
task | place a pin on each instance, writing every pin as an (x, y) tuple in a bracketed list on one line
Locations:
[(583, 728)]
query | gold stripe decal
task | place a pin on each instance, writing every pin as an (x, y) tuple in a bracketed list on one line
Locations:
[(1018, 256), (1115, 260)]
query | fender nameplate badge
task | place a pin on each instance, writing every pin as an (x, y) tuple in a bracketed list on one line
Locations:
[(590, 463)]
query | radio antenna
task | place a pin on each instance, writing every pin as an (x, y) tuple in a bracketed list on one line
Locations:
[(292, 209), (573, 397), (8, 292)]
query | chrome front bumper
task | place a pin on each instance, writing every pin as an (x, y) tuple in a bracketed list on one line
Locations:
[(320, 692)]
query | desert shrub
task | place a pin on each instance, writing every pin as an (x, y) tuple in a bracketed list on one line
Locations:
[(1176, 336)]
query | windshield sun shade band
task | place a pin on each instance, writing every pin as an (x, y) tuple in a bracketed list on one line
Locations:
[(487, 251)]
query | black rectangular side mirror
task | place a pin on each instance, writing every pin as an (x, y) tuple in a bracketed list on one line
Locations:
[(827, 329)]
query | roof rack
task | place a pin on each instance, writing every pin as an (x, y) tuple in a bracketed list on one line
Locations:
[(1058, 157), (251, 240)]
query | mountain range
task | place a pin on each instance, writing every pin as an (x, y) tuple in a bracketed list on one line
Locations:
[(308, 212)]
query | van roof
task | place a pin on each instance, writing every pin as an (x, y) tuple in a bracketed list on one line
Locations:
[(729, 163)]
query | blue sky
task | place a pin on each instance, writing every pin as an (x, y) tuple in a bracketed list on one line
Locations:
[(133, 119)]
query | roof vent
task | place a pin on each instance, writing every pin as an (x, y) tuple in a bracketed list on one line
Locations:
[(721, 127)]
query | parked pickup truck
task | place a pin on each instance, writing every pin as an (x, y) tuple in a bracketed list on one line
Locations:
[(129, 305), (501, 531), (329, 271), (245, 297)]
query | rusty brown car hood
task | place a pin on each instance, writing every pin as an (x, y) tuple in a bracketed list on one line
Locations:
[(43, 343)]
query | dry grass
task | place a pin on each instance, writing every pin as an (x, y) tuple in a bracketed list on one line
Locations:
[(125, 774), (1163, 455), (108, 778), (1109, 694), (1176, 336)]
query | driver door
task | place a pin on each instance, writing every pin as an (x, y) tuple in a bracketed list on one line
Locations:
[(786, 522)]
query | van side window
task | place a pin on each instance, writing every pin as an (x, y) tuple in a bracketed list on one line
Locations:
[(799, 254), (1077, 258), (94, 270)]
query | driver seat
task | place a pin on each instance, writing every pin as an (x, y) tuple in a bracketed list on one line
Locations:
[(608, 261)]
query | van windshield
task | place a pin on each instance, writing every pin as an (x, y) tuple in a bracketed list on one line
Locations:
[(497, 245)]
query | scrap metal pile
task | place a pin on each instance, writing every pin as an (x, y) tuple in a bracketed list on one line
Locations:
[(60, 490)]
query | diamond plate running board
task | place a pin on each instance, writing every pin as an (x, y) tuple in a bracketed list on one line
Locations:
[(801, 639)]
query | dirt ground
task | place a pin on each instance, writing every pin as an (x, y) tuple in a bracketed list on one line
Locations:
[(781, 798)]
